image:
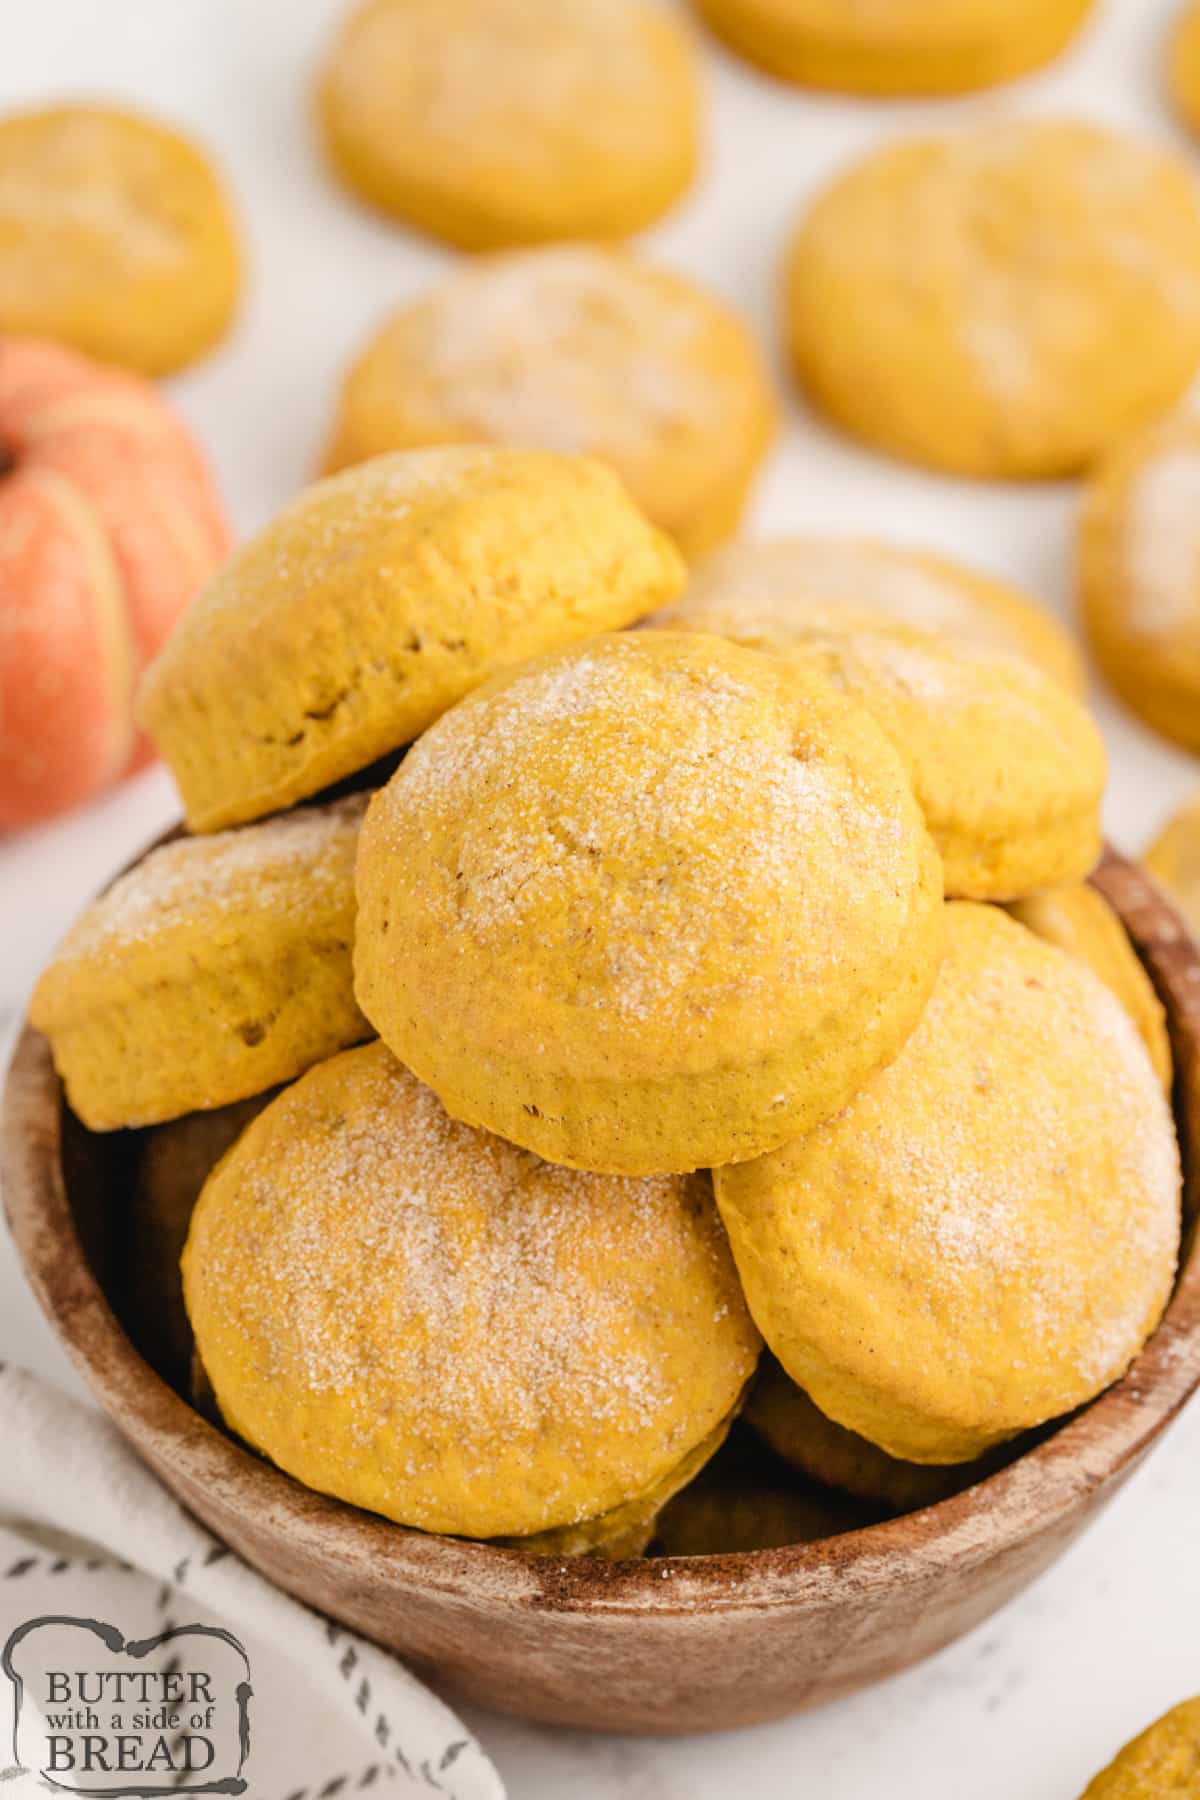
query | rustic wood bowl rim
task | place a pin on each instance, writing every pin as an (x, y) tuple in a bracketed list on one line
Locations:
[(1049, 1481)]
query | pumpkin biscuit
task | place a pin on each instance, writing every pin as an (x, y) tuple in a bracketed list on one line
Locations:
[(730, 1518), (983, 1239), (1162, 1764), (745, 1500), (212, 970), (176, 1160), (427, 1322), (799, 1433), (651, 903), (1048, 248), (374, 602), (1183, 65), (758, 591), (581, 349), (1080, 921), (1174, 859), (1007, 766), (491, 123), (628, 1530), (1139, 575), (899, 47), (115, 237)]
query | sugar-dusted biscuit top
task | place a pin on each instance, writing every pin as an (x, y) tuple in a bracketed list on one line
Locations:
[(116, 237), (1139, 574), (377, 599), (427, 1322), (1080, 921), (984, 1238), (583, 349), (213, 969), (1163, 1763), (654, 902), (492, 123), (1006, 764), (768, 591), (1055, 303)]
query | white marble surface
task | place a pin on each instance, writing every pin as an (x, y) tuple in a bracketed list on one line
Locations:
[(1035, 1701)]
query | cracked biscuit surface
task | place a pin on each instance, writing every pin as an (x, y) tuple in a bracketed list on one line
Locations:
[(376, 600)]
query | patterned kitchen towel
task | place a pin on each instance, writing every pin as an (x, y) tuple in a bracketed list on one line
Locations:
[(140, 1656)]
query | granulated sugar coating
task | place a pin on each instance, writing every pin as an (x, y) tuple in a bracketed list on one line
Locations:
[(214, 969), (376, 600), (118, 238), (763, 592), (578, 348), (1006, 765), (432, 1324), (1048, 246), (986, 1236), (1139, 569), (278, 864), (655, 903), (500, 122)]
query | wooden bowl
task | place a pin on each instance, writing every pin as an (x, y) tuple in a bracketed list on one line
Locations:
[(660, 1645)]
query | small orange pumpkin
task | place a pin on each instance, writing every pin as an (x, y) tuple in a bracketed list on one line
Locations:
[(109, 525)]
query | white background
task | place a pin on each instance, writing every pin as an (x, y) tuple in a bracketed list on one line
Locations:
[(1033, 1703)]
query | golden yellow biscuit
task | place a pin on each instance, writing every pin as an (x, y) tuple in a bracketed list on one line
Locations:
[(759, 591), (492, 123), (651, 903), (1080, 921), (1174, 858), (425, 1321), (1183, 65), (214, 969), (1055, 302), (898, 46), (378, 599), (580, 349), (799, 1432), (1139, 575), (627, 1530), (986, 1235), (1007, 766), (1162, 1764), (744, 1501), (115, 237), (174, 1165)]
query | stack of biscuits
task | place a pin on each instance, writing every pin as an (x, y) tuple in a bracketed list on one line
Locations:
[(571, 981)]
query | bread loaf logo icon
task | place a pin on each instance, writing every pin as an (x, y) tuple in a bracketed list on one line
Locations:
[(96, 1713)]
